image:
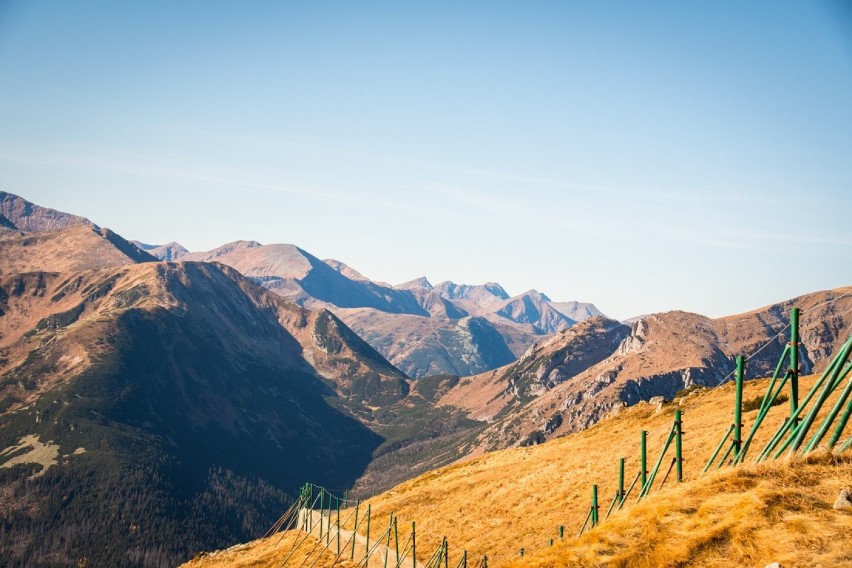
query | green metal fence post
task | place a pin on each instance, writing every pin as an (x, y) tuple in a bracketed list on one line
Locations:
[(396, 540), (522, 553), (718, 448), (785, 354), (794, 366), (338, 527), (838, 431), (738, 406), (355, 529), (588, 516), (561, 531), (643, 478), (621, 480), (832, 415), (328, 523), (368, 533), (629, 490), (594, 505), (768, 400), (413, 545), (321, 510), (679, 444), (647, 488), (611, 505), (387, 546), (800, 432), (446, 553), (311, 510), (776, 438)]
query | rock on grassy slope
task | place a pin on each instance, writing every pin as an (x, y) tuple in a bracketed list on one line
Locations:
[(500, 502)]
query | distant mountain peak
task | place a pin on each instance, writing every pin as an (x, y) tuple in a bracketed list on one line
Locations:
[(228, 248), (346, 270), (421, 282), (532, 292), (481, 294), (577, 311)]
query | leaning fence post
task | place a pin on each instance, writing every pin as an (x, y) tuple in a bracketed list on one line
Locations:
[(368, 533), (322, 505), (396, 540), (832, 415), (841, 424), (355, 529), (328, 523), (387, 546)]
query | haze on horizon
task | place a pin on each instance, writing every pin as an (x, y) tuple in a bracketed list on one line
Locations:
[(641, 157)]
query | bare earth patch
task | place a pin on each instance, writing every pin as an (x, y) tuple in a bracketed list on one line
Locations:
[(45, 455)]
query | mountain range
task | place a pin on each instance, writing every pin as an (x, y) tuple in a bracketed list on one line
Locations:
[(422, 329), (186, 401)]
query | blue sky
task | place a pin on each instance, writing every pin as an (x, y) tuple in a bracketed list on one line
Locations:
[(643, 156)]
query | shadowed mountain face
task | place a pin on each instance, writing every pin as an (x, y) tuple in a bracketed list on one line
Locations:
[(185, 387), (573, 379)]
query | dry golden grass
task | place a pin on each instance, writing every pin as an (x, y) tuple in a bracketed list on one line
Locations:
[(271, 551), (749, 516), (500, 502)]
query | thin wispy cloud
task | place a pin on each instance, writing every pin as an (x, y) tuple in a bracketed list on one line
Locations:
[(321, 195)]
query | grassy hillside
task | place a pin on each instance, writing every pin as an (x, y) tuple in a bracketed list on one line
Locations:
[(500, 502)]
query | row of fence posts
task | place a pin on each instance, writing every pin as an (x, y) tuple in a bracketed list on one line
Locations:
[(301, 516), (643, 476), (799, 423), (796, 427)]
